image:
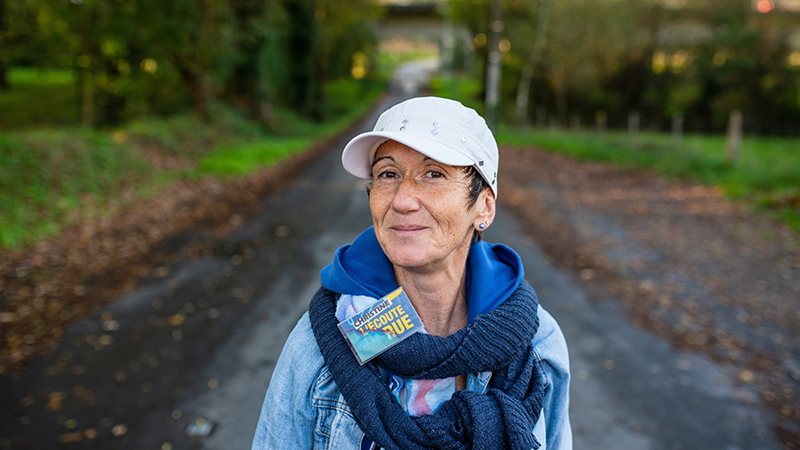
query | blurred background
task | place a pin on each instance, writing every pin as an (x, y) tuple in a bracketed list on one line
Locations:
[(564, 63), (136, 134), (212, 72)]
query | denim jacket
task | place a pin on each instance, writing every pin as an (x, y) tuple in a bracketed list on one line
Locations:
[(304, 409)]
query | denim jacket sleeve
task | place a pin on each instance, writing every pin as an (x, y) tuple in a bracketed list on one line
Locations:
[(287, 416), (551, 347)]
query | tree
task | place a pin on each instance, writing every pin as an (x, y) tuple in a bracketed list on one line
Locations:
[(534, 57), (156, 57), (19, 42), (656, 57), (3, 34)]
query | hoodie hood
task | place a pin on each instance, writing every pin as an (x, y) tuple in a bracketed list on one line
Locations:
[(494, 271)]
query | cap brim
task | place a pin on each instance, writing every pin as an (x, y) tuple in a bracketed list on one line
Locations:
[(359, 153)]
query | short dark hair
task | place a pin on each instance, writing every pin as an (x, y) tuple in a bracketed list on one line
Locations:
[(476, 185)]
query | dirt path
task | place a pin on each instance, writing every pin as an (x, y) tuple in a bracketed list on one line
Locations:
[(685, 262)]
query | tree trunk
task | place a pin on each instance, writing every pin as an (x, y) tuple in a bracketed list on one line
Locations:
[(87, 97), (677, 128), (494, 66), (3, 31), (561, 101), (3, 75), (196, 89), (734, 139), (523, 90)]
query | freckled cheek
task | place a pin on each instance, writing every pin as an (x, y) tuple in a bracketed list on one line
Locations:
[(378, 204), (449, 207)]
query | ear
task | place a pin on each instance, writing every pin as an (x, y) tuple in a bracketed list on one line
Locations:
[(485, 208)]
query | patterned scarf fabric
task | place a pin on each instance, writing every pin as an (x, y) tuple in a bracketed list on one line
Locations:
[(498, 341)]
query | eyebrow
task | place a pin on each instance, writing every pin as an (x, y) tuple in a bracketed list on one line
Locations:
[(426, 159), (382, 157)]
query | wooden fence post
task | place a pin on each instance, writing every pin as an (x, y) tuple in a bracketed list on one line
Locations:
[(575, 121), (677, 128), (734, 141), (633, 124), (552, 122), (602, 121), (541, 118)]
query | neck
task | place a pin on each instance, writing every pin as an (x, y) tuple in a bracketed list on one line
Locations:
[(440, 298)]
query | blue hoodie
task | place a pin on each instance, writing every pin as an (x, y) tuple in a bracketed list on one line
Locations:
[(493, 272)]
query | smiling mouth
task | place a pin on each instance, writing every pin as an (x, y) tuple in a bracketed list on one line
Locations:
[(407, 228)]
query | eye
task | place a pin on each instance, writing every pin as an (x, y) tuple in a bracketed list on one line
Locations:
[(435, 174), (386, 174)]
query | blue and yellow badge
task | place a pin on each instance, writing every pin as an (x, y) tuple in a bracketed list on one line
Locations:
[(380, 326)]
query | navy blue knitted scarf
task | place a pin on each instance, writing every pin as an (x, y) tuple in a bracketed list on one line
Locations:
[(498, 341)]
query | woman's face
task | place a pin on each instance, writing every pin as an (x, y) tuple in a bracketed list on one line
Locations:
[(420, 209)]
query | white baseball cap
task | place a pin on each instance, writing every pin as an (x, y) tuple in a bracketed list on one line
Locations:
[(442, 129)]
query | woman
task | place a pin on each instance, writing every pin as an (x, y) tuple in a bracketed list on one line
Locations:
[(490, 369)]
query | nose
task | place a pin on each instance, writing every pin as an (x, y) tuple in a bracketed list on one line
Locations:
[(406, 196)]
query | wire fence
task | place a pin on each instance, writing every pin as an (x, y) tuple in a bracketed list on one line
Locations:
[(678, 124), (749, 125)]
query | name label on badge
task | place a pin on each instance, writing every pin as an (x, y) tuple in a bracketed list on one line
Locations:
[(380, 326)]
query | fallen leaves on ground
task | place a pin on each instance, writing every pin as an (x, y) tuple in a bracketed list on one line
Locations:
[(63, 279)]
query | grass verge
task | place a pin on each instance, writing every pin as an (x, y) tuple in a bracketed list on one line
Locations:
[(52, 178), (38, 97), (767, 174), (45, 176)]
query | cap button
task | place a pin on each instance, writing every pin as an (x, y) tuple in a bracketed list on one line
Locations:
[(463, 139)]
